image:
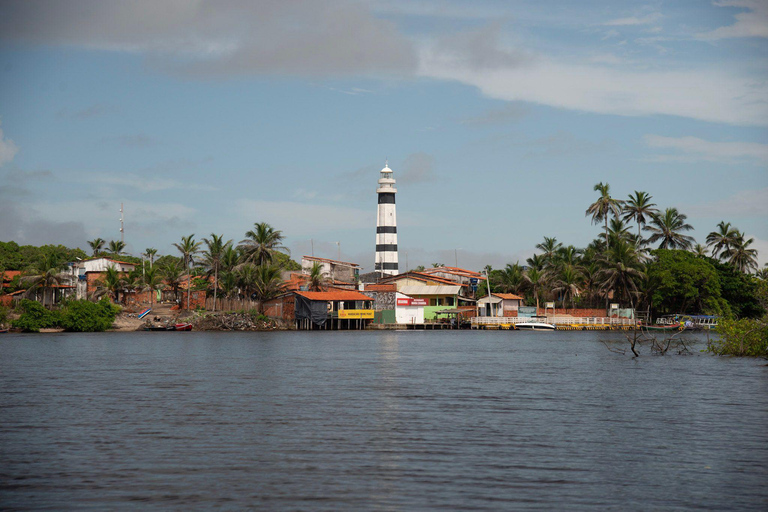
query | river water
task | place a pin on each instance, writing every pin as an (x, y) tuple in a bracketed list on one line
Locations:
[(376, 421)]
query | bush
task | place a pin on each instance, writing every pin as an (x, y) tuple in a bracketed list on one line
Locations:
[(741, 338), (35, 317), (85, 316), (3, 315)]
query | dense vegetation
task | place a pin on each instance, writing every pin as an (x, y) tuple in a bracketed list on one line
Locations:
[(744, 337), (74, 315)]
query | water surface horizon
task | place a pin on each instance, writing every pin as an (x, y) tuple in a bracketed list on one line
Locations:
[(414, 420)]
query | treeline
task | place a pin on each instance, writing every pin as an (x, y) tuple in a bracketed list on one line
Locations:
[(643, 259)]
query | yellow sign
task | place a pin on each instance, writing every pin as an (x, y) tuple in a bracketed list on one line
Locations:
[(356, 313)]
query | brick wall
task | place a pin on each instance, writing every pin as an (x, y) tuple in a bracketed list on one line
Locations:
[(196, 299)]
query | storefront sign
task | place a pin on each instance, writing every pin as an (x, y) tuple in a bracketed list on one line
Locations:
[(411, 302), (356, 314)]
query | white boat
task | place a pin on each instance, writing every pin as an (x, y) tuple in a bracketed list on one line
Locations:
[(535, 326)]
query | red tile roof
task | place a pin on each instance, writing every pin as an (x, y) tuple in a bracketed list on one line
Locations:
[(334, 295), (8, 275), (508, 296), (380, 288)]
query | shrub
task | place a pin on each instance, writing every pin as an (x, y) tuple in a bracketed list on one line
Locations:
[(741, 338), (35, 317), (85, 316)]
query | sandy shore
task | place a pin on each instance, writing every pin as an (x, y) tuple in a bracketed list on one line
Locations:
[(125, 323)]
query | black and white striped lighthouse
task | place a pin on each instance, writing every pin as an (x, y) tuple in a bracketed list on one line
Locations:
[(386, 225)]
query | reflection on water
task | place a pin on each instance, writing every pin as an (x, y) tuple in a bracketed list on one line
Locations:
[(376, 420)]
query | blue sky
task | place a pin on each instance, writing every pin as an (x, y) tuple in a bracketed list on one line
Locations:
[(497, 117)]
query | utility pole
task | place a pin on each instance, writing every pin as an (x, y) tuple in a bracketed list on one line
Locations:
[(338, 245)]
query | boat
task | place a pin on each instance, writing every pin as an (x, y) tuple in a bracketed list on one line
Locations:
[(181, 327), (3, 331), (156, 328), (663, 327), (535, 326)]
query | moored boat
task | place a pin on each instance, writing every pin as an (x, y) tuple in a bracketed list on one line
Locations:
[(182, 327), (535, 326), (664, 327)]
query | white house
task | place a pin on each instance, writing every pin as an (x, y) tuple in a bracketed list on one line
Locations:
[(409, 310), (499, 304)]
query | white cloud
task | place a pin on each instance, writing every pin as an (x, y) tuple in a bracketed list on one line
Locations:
[(635, 20), (8, 149), (694, 149), (704, 95), (752, 23)]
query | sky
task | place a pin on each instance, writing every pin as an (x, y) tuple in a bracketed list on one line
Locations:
[(497, 118)]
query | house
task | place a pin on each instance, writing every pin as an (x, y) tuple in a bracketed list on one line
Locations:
[(383, 296), (409, 310), (334, 310), (499, 304), (332, 269), (89, 273)]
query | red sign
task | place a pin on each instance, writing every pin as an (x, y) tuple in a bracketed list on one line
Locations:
[(403, 302), (419, 302)]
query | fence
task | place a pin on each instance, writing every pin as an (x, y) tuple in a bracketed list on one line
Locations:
[(227, 304), (556, 320)]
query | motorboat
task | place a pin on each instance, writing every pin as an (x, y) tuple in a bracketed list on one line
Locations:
[(535, 326)]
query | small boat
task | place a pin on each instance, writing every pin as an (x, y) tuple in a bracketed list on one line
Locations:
[(663, 327), (181, 327), (535, 326), (156, 328), (3, 331), (144, 313)]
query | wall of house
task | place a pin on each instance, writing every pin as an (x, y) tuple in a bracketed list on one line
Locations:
[(196, 299), (283, 308), (381, 300)]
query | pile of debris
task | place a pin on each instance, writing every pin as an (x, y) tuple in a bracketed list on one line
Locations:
[(233, 322)]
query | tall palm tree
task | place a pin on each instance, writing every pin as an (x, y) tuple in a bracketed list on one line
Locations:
[(316, 278), (261, 243), (112, 282), (621, 271), (152, 282), (638, 208), (511, 279), (215, 248), (700, 250), (667, 227), (228, 283), (741, 256), (246, 278), (47, 274), (549, 247), (536, 280), (617, 230), (266, 284), (230, 258), (536, 261), (172, 275), (722, 240), (188, 248), (96, 245), (116, 247), (605, 205), (567, 283), (150, 252)]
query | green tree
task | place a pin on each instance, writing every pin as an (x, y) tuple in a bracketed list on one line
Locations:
[(316, 278), (152, 282), (684, 283), (740, 255), (97, 244), (266, 284), (667, 228), (172, 273), (567, 284), (150, 253), (212, 257), (116, 247), (47, 275), (739, 290), (261, 244), (721, 240), (621, 271), (112, 282), (639, 208), (86, 316), (536, 280), (188, 249), (549, 247), (604, 207)]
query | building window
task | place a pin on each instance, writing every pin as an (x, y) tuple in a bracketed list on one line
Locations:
[(433, 302), (449, 301)]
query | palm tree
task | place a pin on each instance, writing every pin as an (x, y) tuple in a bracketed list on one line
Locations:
[(152, 282), (246, 278), (266, 284), (741, 256), (549, 247), (116, 246), (567, 283), (722, 240), (188, 248), (700, 251), (536, 279), (216, 247), (96, 245), (262, 243), (667, 227), (438, 265), (172, 274), (511, 279), (150, 252), (617, 230), (621, 270), (47, 274), (112, 282), (604, 206), (762, 273), (638, 208), (536, 261), (316, 278), (230, 258)]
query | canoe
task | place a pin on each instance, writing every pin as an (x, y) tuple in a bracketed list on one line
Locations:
[(182, 327), (664, 328)]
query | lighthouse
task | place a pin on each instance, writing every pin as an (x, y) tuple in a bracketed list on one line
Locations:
[(386, 224)]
